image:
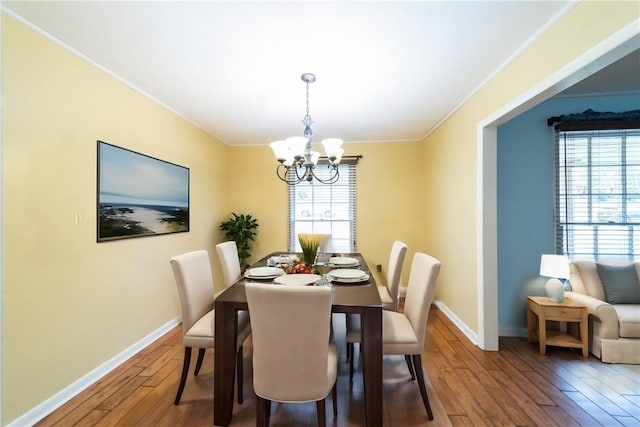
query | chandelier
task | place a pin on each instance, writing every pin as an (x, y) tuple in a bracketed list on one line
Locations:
[(297, 161)]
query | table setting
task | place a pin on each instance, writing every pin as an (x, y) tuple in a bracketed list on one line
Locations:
[(309, 268)]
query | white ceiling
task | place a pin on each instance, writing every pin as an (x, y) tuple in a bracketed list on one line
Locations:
[(386, 71)]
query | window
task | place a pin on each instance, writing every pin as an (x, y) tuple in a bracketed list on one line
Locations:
[(325, 209), (597, 212)]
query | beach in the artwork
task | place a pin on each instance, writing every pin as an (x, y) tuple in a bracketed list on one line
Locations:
[(132, 220)]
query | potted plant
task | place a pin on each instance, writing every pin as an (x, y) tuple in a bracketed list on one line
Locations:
[(242, 230)]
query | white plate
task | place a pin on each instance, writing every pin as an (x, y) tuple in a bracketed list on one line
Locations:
[(343, 260), (343, 265), (263, 272), (357, 280), (297, 279), (263, 278), (348, 273)]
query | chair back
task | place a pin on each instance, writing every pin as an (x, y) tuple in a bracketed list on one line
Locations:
[(192, 272), (394, 269), (290, 334), (420, 291), (229, 261)]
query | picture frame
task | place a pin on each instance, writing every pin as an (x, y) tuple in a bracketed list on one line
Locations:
[(139, 195)]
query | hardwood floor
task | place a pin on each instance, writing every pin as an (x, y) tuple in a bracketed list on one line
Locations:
[(466, 386)]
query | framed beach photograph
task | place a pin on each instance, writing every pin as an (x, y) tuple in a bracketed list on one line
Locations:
[(139, 195)]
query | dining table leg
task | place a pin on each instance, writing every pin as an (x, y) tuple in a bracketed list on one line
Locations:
[(371, 321), (226, 326)]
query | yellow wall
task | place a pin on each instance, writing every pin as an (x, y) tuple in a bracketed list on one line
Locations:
[(69, 303), (451, 151)]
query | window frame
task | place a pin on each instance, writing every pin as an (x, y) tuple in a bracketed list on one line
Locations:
[(323, 225), (581, 216)]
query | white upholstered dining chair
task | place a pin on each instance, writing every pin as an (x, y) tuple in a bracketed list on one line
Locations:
[(404, 333), (388, 296), (229, 262), (389, 293), (192, 272), (293, 358)]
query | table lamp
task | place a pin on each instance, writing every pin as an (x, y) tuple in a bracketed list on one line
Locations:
[(556, 267)]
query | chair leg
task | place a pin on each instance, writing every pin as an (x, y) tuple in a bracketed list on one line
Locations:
[(334, 394), (261, 405), (320, 413), (268, 407), (407, 359), (183, 377), (239, 373), (199, 361), (351, 362), (417, 364)]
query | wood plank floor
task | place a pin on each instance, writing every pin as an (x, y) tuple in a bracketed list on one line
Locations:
[(515, 386)]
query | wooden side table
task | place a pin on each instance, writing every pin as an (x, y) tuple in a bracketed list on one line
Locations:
[(567, 311)]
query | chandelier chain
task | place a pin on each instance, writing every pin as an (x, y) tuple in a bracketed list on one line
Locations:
[(307, 118)]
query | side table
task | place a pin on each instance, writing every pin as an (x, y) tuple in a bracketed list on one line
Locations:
[(544, 309)]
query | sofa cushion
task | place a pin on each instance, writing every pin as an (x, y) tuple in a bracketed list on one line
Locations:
[(585, 279), (620, 282), (629, 320)]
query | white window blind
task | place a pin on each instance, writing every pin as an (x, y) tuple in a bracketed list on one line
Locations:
[(325, 209), (597, 212)]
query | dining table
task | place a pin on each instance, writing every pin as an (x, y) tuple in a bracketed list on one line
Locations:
[(360, 298)]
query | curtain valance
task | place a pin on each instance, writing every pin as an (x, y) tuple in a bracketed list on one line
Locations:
[(594, 120)]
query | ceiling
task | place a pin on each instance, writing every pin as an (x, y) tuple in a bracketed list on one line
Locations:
[(386, 71), (620, 77)]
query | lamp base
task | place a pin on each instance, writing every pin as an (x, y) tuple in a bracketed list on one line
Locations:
[(554, 290)]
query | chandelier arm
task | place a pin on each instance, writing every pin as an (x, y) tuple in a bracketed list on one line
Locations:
[(286, 176), (333, 178)]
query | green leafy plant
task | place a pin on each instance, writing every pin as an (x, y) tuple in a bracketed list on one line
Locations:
[(242, 230)]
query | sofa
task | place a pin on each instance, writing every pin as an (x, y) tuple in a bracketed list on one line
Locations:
[(611, 291)]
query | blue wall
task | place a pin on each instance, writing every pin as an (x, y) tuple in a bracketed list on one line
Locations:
[(525, 200)]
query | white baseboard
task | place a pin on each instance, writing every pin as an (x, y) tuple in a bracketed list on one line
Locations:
[(468, 332), (503, 332), (64, 395)]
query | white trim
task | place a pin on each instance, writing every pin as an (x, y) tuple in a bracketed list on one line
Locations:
[(487, 238), (67, 393), (466, 330), (608, 51)]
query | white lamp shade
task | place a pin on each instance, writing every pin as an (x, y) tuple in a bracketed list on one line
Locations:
[(297, 145), (280, 150), (331, 146), (556, 266), (339, 156)]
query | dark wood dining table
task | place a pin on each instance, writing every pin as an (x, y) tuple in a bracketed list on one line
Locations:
[(361, 299)]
